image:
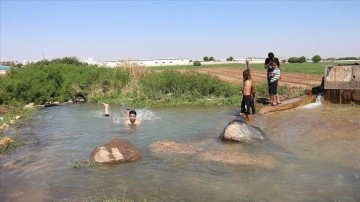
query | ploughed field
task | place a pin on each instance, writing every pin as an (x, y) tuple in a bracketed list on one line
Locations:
[(234, 76)]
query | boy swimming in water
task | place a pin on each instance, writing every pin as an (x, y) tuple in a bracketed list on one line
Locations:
[(132, 119)]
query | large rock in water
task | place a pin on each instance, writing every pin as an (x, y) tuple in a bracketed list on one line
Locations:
[(116, 151), (239, 131)]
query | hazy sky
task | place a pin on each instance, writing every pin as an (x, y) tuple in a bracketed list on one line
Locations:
[(112, 30)]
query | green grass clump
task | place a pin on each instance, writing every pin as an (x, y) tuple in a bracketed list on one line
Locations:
[(81, 164), (12, 145)]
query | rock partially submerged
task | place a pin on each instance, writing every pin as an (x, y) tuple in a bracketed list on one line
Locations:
[(168, 146), (116, 151), (240, 131), (235, 158), (232, 158)]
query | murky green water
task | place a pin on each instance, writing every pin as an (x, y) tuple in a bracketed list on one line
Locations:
[(317, 151)]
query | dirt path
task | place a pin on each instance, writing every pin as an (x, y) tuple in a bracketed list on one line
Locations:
[(292, 79)]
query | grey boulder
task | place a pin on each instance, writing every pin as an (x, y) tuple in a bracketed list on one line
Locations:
[(240, 131)]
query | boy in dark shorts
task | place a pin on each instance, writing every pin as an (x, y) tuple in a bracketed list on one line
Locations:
[(269, 68), (248, 92), (274, 76)]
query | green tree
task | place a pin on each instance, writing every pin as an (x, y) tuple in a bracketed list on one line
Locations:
[(316, 58), (206, 58), (302, 59), (211, 58), (293, 60), (230, 59)]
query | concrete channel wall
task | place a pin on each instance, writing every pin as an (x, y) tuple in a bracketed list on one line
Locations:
[(342, 84)]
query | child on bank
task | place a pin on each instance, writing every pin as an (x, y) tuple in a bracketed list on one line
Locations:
[(248, 93), (274, 76)]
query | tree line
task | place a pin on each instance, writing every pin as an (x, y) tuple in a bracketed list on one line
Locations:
[(302, 59)]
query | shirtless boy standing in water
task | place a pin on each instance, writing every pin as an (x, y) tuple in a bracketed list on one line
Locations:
[(248, 92)]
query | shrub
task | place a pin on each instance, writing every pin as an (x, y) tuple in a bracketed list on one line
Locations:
[(293, 60), (190, 84), (58, 80), (302, 59), (230, 59), (197, 63)]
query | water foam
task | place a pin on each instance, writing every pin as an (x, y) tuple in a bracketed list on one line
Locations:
[(317, 103), (145, 114)]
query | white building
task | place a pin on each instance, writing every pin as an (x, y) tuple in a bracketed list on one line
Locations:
[(109, 64), (147, 63), (162, 62), (90, 61)]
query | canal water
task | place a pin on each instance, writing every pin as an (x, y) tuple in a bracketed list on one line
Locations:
[(316, 149)]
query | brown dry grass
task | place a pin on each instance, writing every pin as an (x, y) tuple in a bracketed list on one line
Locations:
[(136, 72)]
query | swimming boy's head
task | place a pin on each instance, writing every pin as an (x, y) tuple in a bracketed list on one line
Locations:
[(132, 116)]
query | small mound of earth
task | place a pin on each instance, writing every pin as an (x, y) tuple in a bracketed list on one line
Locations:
[(238, 158), (168, 146)]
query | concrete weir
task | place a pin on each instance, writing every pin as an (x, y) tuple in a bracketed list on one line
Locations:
[(342, 84)]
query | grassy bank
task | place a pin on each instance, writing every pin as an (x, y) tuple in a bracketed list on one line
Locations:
[(58, 80), (10, 116), (129, 84)]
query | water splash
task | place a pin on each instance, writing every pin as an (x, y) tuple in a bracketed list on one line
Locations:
[(116, 118), (145, 114), (318, 102)]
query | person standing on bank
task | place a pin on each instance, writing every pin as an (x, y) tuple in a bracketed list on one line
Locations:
[(268, 67), (274, 77)]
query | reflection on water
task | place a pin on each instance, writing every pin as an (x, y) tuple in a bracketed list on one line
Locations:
[(317, 151)]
